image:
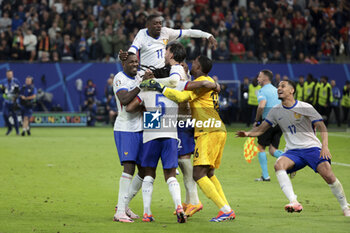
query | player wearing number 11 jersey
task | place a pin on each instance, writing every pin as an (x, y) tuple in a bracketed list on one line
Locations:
[(297, 120), (151, 42)]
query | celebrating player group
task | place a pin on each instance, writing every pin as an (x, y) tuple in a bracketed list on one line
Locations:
[(164, 93)]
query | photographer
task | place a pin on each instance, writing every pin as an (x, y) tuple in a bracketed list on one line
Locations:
[(27, 99), (9, 90)]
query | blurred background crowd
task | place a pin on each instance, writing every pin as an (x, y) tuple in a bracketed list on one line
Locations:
[(304, 31)]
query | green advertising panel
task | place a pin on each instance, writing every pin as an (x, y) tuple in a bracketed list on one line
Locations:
[(59, 119)]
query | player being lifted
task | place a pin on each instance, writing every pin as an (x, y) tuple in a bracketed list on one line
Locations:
[(128, 137), (150, 43), (162, 143), (297, 120), (209, 141)]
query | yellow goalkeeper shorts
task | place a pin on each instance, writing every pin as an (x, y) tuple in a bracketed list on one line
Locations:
[(209, 149)]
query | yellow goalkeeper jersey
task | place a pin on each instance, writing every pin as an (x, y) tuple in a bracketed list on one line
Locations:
[(204, 107)]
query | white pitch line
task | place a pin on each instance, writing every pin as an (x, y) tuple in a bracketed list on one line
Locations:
[(341, 164)]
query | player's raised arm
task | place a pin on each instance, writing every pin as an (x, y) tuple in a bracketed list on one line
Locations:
[(194, 33), (321, 127), (255, 132)]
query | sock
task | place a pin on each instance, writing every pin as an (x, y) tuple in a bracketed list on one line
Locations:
[(277, 153), (218, 187), (174, 189), (263, 164), (209, 190), (147, 189), (134, 187), (286, 185), (338, 191), (124, 184), (24, 129), (226, 209), (190, 184)]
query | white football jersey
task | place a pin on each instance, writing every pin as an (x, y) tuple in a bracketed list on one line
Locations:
[(152, 50), (164, 111), (297, 124), (127, 122)]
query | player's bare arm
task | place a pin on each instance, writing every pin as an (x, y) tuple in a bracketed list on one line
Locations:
[(134, 106), (191, 85), (255, 132), (259, 112), (125, 97), (321, 127)]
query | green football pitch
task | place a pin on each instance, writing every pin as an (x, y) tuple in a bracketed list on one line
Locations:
[(66, 180)]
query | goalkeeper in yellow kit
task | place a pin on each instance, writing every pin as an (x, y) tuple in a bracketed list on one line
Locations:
[(210, 133)]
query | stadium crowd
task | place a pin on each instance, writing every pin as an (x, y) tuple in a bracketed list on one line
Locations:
[(306, 31)]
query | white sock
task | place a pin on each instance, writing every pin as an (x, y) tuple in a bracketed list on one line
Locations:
[(226, 209), (124, 184), (190, 184), (174, 189), (134, 187), (147, 189), (338, 191), (286, 185)]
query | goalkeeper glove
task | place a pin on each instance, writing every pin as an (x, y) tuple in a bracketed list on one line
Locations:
[(152, 85)]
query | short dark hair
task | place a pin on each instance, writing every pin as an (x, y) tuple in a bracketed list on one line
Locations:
[(151, 17), (178, 50), (206, 63), (268, 73), (292, 84)]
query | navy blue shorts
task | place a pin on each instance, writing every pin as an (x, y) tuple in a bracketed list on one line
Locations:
[(305, 157), (186, 137), (164, 148), (129, 146), (26, 111)]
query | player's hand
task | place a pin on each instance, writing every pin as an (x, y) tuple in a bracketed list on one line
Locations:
[(148, 75), (212, 42), (325, 154), (217, 88), (241, 134), (152, 85), (123, 55)]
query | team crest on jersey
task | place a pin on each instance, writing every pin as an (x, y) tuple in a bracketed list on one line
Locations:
[(118, 82), (165, 42), (126, 153), (297, 116)]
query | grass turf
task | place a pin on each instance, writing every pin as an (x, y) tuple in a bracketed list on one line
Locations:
[(66, 180)]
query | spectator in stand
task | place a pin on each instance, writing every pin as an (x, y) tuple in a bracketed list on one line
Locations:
[(237, 49), (222, 53), (43, 45), (5, 22), (30, 41), (66, 50)]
